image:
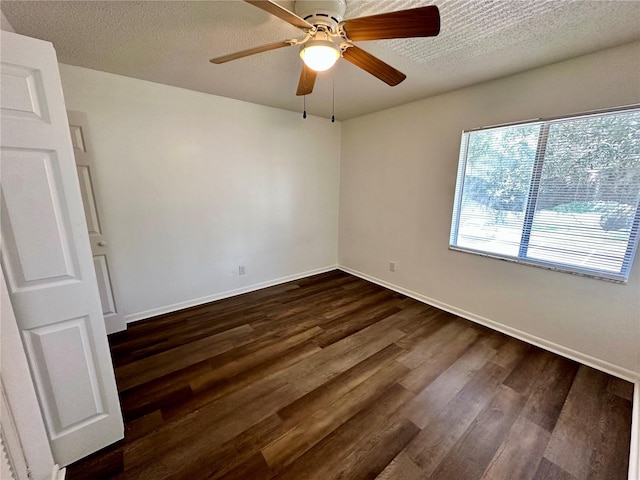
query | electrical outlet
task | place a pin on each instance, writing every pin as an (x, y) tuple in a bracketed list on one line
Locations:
[(392, 266), (242, 270)]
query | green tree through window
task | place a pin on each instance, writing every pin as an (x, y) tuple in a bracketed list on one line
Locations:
[(559, 193)]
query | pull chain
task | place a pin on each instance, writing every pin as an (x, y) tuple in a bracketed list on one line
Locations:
[(333, 96), (304, 97)]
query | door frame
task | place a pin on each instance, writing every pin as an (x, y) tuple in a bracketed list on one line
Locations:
[(84, 156)]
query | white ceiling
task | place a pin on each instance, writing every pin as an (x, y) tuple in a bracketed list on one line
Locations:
[(171, 42)]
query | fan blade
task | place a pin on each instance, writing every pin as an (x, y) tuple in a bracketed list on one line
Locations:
[(415, 22), (250, 51), (373, 65), (307, 80), (274, 9)]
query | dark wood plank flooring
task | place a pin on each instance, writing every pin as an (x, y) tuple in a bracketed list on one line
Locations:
[(332, 377)]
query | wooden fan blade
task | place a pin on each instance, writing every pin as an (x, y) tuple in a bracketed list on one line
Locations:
[(415, 22), (307, 80), (250, 51), (280, 12), (373, 65)]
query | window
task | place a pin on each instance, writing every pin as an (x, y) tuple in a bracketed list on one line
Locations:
[(561, 193)]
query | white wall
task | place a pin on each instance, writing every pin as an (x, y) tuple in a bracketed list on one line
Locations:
[(193, 185), (398, 173)]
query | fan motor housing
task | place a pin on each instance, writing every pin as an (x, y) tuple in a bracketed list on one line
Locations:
[(321, 12)]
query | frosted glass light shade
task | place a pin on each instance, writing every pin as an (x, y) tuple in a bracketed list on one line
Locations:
[(319, 55)]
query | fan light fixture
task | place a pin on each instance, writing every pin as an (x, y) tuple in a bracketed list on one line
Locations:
[(320, 55), (328, 37)]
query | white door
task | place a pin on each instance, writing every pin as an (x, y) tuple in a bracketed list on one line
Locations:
[(23, 433), (47, 259), (113, 317)]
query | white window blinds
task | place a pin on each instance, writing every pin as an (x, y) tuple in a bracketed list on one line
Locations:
[(561, 193)]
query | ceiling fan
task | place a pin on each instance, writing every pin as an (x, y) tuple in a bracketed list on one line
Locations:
[(328, 37)]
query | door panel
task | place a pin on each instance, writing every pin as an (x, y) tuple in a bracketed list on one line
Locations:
[(88, 200), (73, 396), (36, 262), (104, 284), (47, 258), (22, 93), (78, 127)]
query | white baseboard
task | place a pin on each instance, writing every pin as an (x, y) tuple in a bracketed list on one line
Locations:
[(219, 296), (567, 352), (598, 364), (58, 473), (115, 323)]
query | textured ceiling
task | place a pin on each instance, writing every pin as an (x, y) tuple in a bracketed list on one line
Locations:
[(171, 43)]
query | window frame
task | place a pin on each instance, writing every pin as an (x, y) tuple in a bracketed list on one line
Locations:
[(532, 198)]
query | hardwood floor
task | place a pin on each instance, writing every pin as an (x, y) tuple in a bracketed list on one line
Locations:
[(332, 377)]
